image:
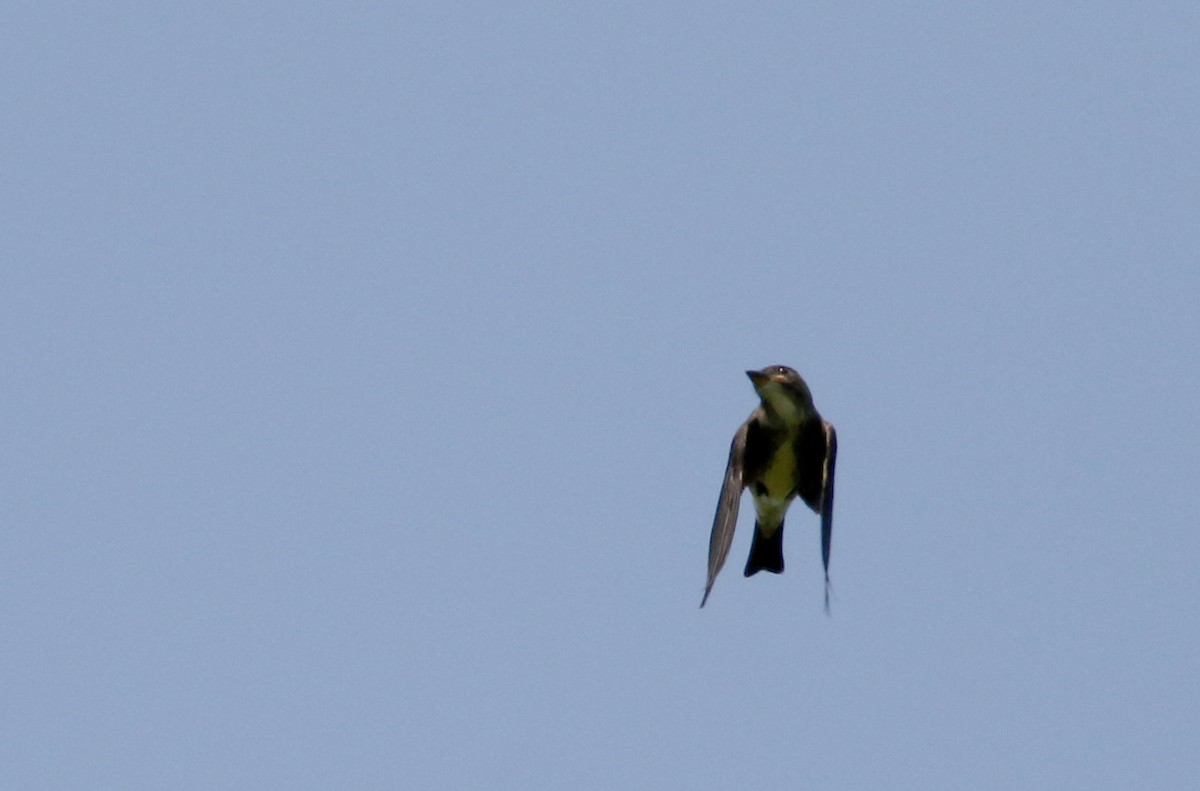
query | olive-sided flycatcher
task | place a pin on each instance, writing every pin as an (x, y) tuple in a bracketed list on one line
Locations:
[(784, 449)]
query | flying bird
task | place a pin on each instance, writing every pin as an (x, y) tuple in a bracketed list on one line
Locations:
[(783, 450)]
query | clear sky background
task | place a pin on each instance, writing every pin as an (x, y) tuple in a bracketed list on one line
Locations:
[(370, 370)]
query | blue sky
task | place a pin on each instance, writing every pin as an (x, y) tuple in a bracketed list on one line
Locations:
[(371, 369)]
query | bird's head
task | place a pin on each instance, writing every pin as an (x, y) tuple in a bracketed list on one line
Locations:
[(783, 391)]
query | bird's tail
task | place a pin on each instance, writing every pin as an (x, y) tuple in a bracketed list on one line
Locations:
[(766, 551)]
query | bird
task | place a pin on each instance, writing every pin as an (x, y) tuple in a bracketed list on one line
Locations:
[(784, 449)]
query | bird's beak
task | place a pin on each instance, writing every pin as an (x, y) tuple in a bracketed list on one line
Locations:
[(758, 378)]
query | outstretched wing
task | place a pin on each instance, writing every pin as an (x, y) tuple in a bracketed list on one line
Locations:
[(727, 508), (827, 500)]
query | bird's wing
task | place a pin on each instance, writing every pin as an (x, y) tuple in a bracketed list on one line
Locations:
[(827, 501), (727, 508)]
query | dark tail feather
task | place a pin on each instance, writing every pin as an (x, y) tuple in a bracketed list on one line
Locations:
[(766, 553)]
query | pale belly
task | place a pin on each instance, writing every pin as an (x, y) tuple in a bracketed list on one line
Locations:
[(779, 481), (770, 512)]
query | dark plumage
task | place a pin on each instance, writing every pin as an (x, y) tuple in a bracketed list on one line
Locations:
[(783, 450)]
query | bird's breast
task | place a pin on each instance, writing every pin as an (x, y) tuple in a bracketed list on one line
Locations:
[(775, 487), (778, 478)]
